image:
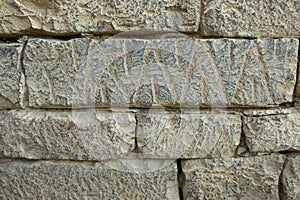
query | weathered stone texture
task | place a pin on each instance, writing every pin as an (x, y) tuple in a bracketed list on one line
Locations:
[(72, 180), (256, 72), (279, 18), (63, 135), (291, 179), (51, 67), (188, 135), (274, 131), (161, 72), (67, 17), (232, 178), (11, 76)]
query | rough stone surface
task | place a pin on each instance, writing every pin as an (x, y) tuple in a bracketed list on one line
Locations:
[(291, 179), (251, 18), (72, 180), (65, 135), (67, 17), (161, 72), (51, 67), (11, 76), (256, 72), (268, 132), (193, 135), (232, 178)]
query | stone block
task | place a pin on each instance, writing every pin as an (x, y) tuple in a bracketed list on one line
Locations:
[(102, 16), (251, 19), (83, 180), (188, 135), (171, 72), (51, 67), (232, 178), (272, 131), (291, 179), (66, 135), (12, 80)]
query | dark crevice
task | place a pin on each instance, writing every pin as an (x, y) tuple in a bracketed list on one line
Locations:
[(201, 35), (136, 147), (9, 40), (242, 145), (280, 181), (297, 76), (31, 160), (201, 25), (180, 179), (286, 104), (62, 36), (14, 37), (289, 152), (176, 9), (25, 100), (227, 110)]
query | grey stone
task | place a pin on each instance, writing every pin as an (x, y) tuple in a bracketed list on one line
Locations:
[(291, 179), (11, 77), (101, 16), (170, 72), (51, 67), (232, 178), (257, 72), (83, 180), (268, 132), (188, 135), (66, 135), (251, 19)]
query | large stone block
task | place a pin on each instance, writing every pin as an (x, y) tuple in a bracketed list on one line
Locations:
[(101, 16), (65, 135), (291, 179), (84, 180), (251, 18), (188, 135), (232, 178), (11, 76), (161, 72), (272, 131)]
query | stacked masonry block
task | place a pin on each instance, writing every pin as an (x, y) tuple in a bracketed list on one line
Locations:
[(197, 99)]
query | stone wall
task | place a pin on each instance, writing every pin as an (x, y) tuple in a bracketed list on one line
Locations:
[(189, 99)]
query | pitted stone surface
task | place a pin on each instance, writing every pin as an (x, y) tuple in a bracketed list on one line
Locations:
[(73, 180), (101, 16), (232, 178), (291, 179), (272, 132), (256, 72), (188, 135), (51, 67), (279, 18), (11, 76), (161, 72), (59, 135)]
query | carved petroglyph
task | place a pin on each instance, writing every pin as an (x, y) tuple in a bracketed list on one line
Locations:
[(171, 72)]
